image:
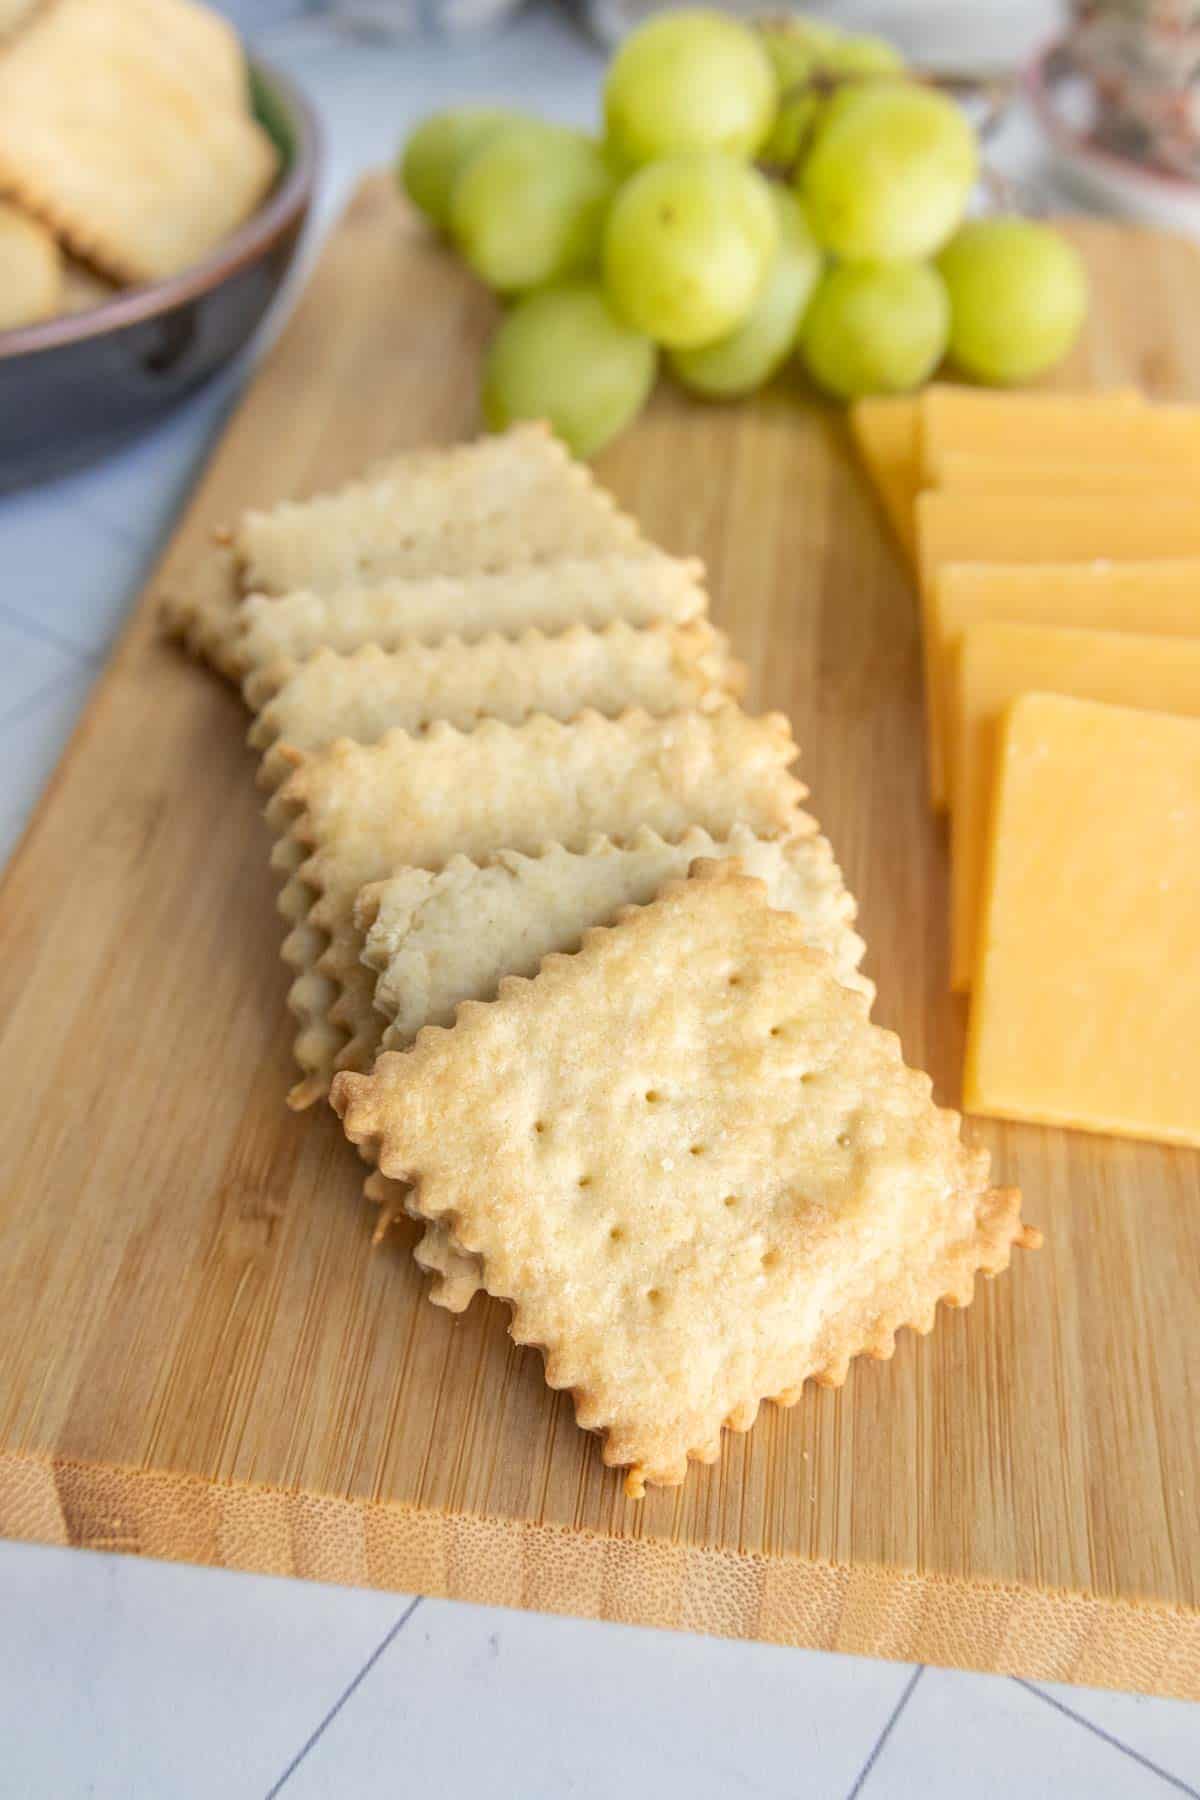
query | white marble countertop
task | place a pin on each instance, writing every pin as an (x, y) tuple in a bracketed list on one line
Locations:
[(122, 1680)]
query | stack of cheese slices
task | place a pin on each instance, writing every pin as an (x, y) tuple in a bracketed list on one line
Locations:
[(1055, 540), (577, 969)]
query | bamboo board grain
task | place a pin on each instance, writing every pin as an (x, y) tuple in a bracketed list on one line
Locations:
[(199, 1357)]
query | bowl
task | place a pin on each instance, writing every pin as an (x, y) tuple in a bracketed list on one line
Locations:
[(1064, 105), (75, 387)]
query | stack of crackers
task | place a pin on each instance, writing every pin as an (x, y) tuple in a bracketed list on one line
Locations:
[(128, 149), (572, 963)]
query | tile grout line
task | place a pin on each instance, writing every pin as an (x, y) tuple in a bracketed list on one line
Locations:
[(885, 1734), (22, 709), (310, 1743), (99, 520), (44, 634), (1106, 1737)]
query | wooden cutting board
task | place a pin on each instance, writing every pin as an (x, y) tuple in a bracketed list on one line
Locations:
[(200, 1357)]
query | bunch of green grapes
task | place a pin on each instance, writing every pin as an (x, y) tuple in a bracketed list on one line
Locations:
[(760, 195)]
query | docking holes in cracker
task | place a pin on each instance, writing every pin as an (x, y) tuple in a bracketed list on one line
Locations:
[(711, 1178)]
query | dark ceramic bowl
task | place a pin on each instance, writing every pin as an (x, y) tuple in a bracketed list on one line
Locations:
[(74, 387)]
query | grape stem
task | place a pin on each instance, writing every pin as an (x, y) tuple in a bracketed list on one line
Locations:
[(822, 84), (994, 94)]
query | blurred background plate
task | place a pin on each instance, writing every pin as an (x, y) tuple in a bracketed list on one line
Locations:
[(1100, 174), (75, 386)]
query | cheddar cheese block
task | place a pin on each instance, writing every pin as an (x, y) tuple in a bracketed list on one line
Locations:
[(1085, 1011), (996, 663), (1166, 438), (987, 422), (981, 441), (968, 471), (887, 439), (1024, 528), (1158, 598)]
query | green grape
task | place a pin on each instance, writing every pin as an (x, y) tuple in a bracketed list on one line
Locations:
[(864, 55), (439, 148), (809, 60), (797, 50), (529, 206), (795, 127), (688, 246), (690, 80), (563, 355), (890, 173), (796, 59), (754, 350), (876, 328), (1018, 298), (792, 36)]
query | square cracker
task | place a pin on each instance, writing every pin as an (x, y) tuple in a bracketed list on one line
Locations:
[(500, 502), (202, 608), (121, 126), (658, 669), (437, 939), (640, 587), (13, 14), (515, 497), (31, 270), (709, 1178), (83, 288), (352, 814)]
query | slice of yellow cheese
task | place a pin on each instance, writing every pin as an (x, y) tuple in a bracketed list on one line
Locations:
[(988, 422), (998, 662), (1087, 1005), (969, 472), (1013, 528), (886, 436), (1151, 597), (974, 432)]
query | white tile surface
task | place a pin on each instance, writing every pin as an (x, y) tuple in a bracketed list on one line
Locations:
[(43, 683), (129, 1681), (32, 738), (67, 575), (1166, 1732), (30, 663), (965, 1735), (598, 1710), (121, 1679), (137, 494)]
